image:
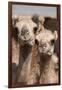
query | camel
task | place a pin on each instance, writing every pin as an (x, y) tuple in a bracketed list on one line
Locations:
[(49, 66), (28, 68)]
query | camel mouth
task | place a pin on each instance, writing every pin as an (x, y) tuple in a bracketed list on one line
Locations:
[(26, 41)]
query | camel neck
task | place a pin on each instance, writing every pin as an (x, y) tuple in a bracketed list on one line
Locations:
[(45, 62)]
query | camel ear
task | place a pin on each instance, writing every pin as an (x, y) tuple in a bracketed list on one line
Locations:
[(35, 18), (55, 35), (41, 20), (38, 19), (14, 20)]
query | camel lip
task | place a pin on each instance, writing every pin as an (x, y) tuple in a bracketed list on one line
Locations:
[(28, 40), (44, 54)]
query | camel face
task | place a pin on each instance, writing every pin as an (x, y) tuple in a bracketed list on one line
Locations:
[(45, 41), (25, 29)]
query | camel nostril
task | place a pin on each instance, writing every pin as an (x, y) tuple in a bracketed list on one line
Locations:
[(36, 42), (43, 45)]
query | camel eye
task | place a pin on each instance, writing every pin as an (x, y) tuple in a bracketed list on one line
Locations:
[(16, 30), (35, 30), (36, 42), (15, 33), (52, 41)]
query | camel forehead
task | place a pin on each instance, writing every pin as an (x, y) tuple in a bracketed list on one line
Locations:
[(45, 36), (26, 22)]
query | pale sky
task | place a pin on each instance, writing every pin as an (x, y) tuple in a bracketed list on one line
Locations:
[(30, 10)]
